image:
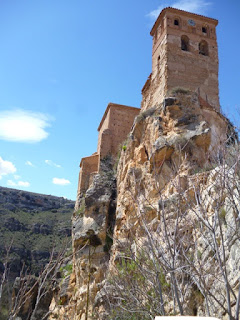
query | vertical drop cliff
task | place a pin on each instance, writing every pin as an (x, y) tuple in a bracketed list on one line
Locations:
[(174, 153), (160, 235), (93, 223)]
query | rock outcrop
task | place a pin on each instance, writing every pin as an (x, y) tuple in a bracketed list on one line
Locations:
[(92, 229), (174, 180), (175, 151)]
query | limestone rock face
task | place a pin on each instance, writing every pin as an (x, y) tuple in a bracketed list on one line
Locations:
[(167, 162), (92, 227), (178, 133)]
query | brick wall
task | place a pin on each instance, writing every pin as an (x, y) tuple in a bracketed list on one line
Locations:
[(113, 130), (88, 166), (174, 67)]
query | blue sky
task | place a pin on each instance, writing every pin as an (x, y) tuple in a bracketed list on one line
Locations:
[(62, 62)]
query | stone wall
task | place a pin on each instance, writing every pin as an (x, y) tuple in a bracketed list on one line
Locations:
[(113, 130), (88, 166)]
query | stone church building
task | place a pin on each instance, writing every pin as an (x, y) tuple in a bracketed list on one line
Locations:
[(184, 54)]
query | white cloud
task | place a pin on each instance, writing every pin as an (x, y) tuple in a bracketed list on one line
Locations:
[(60, 181), (23, 126), (29, 163), (6, 167), (16, 176), (11, 183), (195, 6), (24, 184), (52, 164)]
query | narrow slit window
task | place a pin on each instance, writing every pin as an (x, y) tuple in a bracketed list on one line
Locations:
[(158, 62), (185, 43)]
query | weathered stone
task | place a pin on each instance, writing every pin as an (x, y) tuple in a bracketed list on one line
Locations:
[(113, 129), (170, 141), (169, 101)]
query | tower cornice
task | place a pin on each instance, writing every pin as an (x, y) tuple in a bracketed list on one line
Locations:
[(181, 12)]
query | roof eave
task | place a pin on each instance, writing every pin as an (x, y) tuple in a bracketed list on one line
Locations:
[(215, 21)]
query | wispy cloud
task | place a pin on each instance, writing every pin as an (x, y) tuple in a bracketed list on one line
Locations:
[(60, 181), (23, 126), (6, 167), (23, 184), (16, 176), (12, 183), (29, 163), (195, 6), (52, 164)]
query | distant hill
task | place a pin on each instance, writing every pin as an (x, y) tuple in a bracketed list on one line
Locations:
[(35, 223)]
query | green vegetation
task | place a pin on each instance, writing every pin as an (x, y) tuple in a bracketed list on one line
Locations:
[(81, 210), (222, 215), (38, 230), (66, 270), (32, 225)]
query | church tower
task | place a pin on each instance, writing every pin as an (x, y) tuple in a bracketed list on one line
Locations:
[(184, 54)]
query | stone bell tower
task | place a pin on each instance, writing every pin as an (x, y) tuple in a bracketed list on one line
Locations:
[(185, 55)]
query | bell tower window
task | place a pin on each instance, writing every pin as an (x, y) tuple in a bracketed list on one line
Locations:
[(204, 29), (176, 22), (185, 43), (203, 48)]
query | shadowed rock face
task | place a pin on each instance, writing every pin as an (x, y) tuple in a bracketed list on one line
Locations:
[(92, 228)]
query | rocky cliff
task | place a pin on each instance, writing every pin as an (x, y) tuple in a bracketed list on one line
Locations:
[(175, 228), (92, 231)]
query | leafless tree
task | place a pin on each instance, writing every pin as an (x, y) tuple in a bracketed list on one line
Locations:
[(35, 288), (4, 277), (178, 261)]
